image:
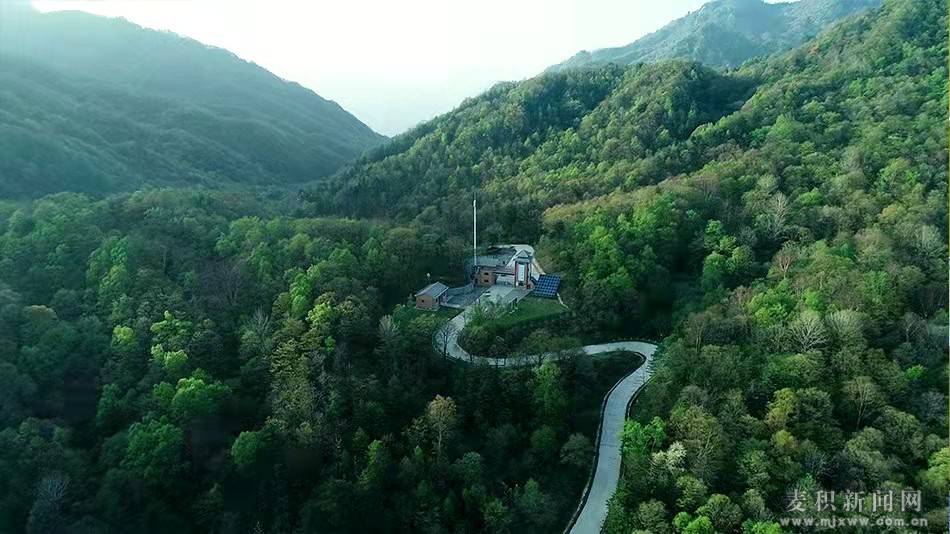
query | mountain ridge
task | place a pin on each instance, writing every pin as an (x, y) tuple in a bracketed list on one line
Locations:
[(726, 33)]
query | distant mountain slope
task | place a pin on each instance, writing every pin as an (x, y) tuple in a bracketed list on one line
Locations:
[(568, 128), (565, 137), (98, 105), (725, 33)]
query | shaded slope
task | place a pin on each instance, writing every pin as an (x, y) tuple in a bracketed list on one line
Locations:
[(97, 105)]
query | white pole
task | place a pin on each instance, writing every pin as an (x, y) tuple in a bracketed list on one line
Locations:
[(474, 234)]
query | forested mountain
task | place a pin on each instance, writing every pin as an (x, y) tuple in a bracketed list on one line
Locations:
[(784, 225), (725, 33), (99, 105), (181, 361), (554, 139)]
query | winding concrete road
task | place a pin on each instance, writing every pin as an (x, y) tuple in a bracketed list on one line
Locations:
[(593, 507), (607, 473)]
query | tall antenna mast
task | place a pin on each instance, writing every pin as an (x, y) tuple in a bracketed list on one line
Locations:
[(474, 233)]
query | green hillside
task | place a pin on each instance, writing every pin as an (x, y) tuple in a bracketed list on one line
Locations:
[(99, 105), (726, 33), (815, 221), (558, 138)]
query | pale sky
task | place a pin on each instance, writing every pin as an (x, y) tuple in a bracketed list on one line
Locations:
[(394, 64)]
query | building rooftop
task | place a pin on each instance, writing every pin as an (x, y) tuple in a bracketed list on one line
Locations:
[(434, 290), (493, 257), (489, 261)]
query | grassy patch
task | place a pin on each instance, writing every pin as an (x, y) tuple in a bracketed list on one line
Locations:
[(404, 314), (495, 332), (529, 309)]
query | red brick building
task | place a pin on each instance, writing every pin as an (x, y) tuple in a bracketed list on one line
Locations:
[(432, 296)]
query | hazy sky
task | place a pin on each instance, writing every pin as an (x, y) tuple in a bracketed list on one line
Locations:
[(396, 63)]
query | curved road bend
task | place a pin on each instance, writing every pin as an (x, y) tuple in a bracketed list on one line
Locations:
[(607, 471)]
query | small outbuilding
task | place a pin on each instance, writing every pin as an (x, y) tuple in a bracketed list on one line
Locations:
[(432, 296)]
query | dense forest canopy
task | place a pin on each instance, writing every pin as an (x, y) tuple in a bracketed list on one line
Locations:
[(100, 105), (726, 33), (193, 361)]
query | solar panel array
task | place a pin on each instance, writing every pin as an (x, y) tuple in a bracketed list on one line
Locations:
[(547, 286)]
